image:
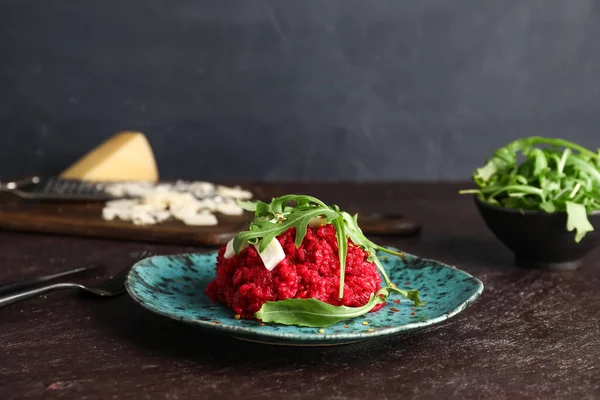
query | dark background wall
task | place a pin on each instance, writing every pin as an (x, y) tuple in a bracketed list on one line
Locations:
[(297, 89)]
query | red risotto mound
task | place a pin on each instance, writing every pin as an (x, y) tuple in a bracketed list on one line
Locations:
[(309, 271)]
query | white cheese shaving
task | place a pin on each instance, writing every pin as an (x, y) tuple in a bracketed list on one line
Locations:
[(229, 207), (111, 213), (233, 192), (129, 189), (229, 251), (272, 255), (142, 215), (161, 216), (193, 203), (203, 218)]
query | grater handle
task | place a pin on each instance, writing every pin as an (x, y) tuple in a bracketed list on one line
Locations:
[(15, 185)]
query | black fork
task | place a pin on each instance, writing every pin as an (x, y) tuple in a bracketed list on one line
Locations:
[(112, 287)]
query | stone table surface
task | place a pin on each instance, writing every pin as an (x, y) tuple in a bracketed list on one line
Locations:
[(532, 334)]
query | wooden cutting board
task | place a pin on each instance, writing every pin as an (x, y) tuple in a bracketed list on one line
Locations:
[(85, 219)]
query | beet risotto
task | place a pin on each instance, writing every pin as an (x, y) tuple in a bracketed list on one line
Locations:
[(302, 262), (310, 271)]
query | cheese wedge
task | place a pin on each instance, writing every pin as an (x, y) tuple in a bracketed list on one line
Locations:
[(127, 156)]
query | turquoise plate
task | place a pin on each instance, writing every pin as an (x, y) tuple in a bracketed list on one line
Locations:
[(174, 286)]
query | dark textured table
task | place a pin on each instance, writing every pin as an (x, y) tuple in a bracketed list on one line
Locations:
[(532, 334)]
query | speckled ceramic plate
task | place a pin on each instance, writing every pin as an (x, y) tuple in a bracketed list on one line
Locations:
[(173, 286)]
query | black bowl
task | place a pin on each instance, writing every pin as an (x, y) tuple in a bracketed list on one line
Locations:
[(539, 239)]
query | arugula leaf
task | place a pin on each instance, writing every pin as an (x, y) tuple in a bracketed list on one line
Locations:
[(540, 163), (313, 312), (340, 231), (484, 173), (318, 314), (263, 210), (556, 176), (409, 294), (247, 205), (577, 220)]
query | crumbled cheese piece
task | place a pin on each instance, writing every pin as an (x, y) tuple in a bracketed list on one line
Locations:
[(129, 189), (161, 216), (193, 203), (204, 218), (233, 192), (229, 207), (201, 189), (111, 213), (142, 217), (118, 209)]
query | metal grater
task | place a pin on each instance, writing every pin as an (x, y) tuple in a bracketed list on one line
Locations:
[(36, 188)]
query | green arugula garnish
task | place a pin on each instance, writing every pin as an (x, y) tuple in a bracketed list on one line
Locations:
[(560, 177), (316, 313), (296, 211)]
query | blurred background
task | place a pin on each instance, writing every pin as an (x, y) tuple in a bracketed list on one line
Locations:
[(296, 90)]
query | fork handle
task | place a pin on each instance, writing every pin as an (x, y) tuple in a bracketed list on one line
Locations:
[(15, 298)]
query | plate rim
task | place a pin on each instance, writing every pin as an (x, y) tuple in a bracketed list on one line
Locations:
[(316, 336)]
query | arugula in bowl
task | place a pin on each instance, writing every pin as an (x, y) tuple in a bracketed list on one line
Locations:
[(543, 174)]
